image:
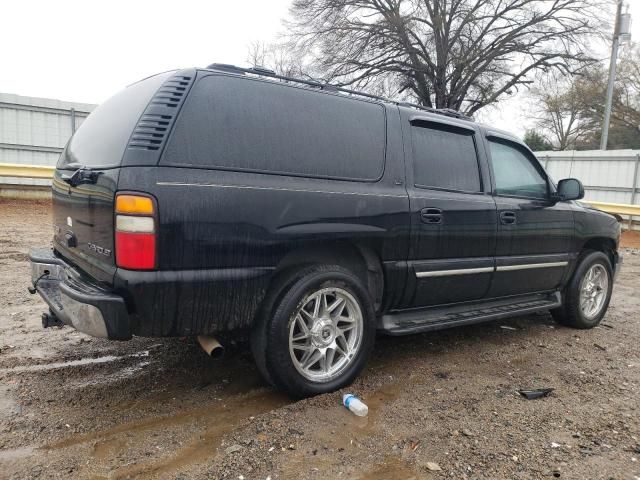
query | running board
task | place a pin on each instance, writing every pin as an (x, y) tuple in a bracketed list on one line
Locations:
[(437, 318)]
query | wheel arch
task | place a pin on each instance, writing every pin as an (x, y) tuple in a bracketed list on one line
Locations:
[(601, 244), (362, 260)]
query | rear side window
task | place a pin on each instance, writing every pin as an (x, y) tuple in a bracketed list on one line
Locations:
[(515, 173), (445, 158), (247, 125), (103, 136)]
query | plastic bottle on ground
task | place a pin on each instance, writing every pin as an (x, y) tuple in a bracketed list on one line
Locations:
[(354, 404)]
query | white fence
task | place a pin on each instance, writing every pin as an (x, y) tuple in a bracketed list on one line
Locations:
[(608, 176), (33, 131)]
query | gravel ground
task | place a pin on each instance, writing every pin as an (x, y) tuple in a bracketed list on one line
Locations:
[(442, 405)]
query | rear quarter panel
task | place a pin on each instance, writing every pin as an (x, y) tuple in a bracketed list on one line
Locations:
[(218, 223)]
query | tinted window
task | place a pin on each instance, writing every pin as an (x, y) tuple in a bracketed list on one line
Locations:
[(244, 124), (515, 172), (102, 138), (445, 158)]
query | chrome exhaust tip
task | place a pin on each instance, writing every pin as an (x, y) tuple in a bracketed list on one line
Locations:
[(211, 346)]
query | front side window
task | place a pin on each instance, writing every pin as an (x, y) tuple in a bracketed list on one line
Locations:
[(445, 158), (515, 173)]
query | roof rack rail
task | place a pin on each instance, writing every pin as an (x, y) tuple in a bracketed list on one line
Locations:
[(449, 112), (225, 67)]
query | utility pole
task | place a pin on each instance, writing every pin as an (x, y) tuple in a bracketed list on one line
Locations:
[(619, 31)]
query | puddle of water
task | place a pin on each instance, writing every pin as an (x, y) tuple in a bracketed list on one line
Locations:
[(211, 421), (393, 468), (219, 419), (355, 426), (15, 453), (342, 430), (72, 363), (105, 449)]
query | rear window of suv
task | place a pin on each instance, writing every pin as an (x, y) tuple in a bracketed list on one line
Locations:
[(103, 136), (242, 124)]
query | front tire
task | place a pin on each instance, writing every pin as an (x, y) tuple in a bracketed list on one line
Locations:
[(587, 296), (318, 332)]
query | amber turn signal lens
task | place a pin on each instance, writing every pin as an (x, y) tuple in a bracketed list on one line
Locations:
[(134, 204)]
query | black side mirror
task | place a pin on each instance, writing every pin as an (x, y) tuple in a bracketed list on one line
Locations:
[(569, 189)]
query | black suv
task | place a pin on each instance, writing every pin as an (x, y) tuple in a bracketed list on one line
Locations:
[(206, 201)]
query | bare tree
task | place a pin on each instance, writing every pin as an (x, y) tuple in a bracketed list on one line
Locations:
[(626, 107), (569, 110), (282, 58), (461, 54), (286, 59), (561, 111)]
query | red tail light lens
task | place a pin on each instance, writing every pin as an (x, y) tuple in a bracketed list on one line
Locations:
[(136, 251), (135, 221)]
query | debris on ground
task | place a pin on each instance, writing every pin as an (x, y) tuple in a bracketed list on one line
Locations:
[(536, 393), (355, 405), (413, 443), (233, 449)]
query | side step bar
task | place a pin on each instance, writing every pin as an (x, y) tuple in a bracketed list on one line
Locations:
[(437, 318)]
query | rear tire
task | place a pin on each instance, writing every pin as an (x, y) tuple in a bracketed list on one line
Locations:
[(587, 296), (315, 332)]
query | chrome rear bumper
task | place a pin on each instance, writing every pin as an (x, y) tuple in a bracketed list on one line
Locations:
[(75, 301)]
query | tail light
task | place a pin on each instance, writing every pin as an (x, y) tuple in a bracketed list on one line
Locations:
[(135, 232)]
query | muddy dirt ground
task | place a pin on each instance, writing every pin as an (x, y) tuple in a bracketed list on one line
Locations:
[(76, 407)]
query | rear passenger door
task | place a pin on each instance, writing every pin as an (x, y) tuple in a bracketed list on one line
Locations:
[(453, 216)]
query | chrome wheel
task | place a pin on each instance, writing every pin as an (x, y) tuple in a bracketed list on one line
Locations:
[(325, 334), (594, 289)]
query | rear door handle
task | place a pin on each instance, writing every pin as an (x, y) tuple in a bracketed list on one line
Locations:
[(507, 218), (431, 215)]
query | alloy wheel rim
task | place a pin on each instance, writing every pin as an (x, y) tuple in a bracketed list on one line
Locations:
[(325, 334), (593, 291)]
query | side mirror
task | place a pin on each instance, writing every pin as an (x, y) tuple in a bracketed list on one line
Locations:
[(569, 189)]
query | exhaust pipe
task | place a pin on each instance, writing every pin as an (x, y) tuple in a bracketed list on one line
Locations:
[(211, 346)]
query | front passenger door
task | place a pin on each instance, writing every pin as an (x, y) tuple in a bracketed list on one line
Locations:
[(535, 234)]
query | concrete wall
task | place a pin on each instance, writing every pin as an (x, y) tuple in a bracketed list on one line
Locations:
[(33, 131)]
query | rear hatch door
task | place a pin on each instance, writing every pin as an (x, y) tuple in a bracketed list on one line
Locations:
[(86, 179)]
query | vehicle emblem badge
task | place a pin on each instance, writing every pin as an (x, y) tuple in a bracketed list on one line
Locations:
[(98, 249)]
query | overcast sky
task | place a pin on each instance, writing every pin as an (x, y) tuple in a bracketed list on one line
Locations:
[(84, 51)]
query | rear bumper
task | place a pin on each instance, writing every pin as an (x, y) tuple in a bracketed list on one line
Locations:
[(77, 302), (150, 304)]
